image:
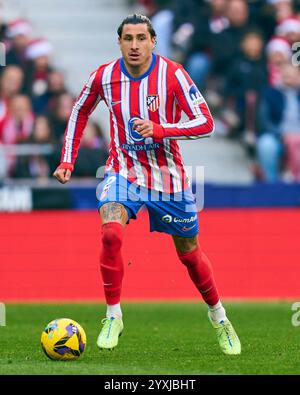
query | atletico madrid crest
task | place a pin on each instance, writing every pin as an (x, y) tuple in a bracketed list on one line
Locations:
[(153, 102)]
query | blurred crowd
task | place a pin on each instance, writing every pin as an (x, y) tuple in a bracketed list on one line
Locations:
[(244, 56), (35, 106)]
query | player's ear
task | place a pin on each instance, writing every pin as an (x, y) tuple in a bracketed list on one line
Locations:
[(154, 42)]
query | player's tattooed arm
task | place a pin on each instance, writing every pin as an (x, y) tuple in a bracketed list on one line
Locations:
[(113, 212)]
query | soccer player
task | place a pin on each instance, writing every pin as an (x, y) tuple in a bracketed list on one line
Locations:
[(145, 94)]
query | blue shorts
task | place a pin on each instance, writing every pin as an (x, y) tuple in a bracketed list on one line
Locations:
[(175, 214)]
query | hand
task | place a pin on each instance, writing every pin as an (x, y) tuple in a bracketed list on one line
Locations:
[(63, 173), (144, 127)]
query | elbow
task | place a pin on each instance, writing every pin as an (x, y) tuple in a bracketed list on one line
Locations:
[(209, 130), (211, 126)]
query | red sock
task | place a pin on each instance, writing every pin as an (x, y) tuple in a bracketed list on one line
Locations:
[(201, 273), (111, 262)]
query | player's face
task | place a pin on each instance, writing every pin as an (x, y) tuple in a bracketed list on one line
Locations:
[(136, 45)]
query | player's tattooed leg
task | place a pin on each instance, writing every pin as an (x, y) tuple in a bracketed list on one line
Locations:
[(113, 212), (185, 244)]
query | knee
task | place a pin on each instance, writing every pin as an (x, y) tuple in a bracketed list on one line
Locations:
[(185, 245), (112, 236)]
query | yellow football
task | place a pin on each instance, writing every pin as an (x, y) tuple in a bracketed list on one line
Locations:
[(63, 339)]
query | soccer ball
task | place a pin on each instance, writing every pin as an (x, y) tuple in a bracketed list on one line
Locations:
[(63, 339)]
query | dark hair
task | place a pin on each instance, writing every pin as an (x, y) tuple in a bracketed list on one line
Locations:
[(135, 19)]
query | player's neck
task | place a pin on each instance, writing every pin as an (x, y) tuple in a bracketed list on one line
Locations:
[(138, 71)]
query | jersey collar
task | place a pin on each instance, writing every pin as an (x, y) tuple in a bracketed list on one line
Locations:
[(124, 70)]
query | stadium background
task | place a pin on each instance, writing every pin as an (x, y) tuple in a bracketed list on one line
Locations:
[(50, 233)]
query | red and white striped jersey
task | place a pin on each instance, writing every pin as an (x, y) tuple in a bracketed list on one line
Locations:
[(159, 95)]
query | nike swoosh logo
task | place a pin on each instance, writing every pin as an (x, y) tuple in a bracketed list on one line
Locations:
[(186, 229), (113, 103)]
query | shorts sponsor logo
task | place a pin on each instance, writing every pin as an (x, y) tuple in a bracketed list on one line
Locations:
[(168, 219), (186, 220)]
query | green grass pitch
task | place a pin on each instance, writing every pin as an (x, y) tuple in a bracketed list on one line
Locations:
[(159, 338)]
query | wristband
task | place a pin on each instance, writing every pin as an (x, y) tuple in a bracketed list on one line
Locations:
[(158, 131), (66, 166)]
